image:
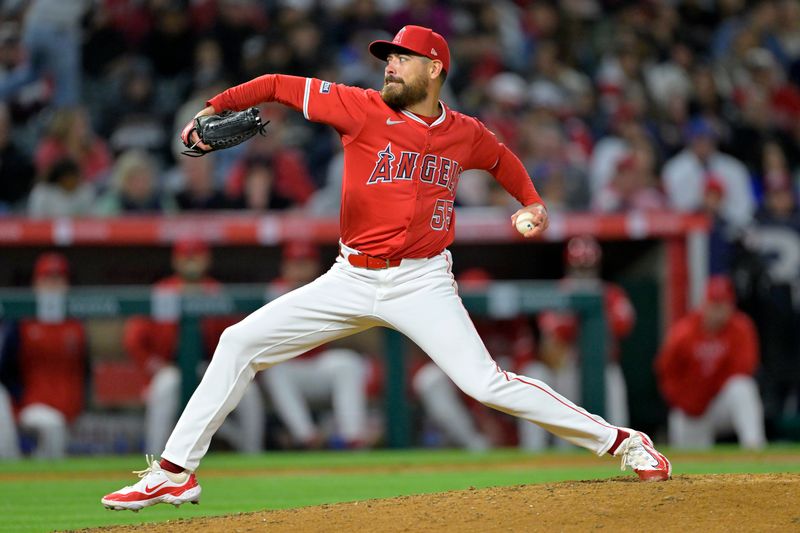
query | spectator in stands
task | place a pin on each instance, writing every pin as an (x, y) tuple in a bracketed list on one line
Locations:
[(69, 134), (272, 160), (51, 354), (625, 130), (199, 191), (567, 88), (153, 343), (705, 372), (327, 376), (139, 117), (551, 158), (29, 100), (236, 22), (558, 360), (16, 168), (686, 174), (462, 421), (52, 39), (170, 42), (505, 97), (134, 188), (64, 193), (634, 185), (259, 193)]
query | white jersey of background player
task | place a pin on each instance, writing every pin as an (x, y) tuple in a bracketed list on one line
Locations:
[(404, 150)]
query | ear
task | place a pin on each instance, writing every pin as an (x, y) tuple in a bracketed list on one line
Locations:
[(435, 68)]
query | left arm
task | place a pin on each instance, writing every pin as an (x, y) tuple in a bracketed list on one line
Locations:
[(494, 157)]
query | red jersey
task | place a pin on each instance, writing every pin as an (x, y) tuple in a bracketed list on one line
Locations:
[(509, 341), (400, 174), (53, 365), (694, 363), (147, 340), (620, 316)]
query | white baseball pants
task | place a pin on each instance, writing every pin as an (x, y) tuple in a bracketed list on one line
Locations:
[(50, 427), (444, 406), (566, 380), (737, 407), (419, 299), (9, 440), (245, 433)]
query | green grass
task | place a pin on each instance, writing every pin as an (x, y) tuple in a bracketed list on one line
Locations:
[(43, 496)]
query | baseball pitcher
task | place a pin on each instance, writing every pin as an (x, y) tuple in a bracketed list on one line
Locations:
[(404, 151)]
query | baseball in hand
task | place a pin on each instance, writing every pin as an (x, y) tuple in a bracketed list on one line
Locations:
[(525, 222)]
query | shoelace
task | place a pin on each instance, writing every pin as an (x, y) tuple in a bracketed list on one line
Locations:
[(150, 460), (633, 453)]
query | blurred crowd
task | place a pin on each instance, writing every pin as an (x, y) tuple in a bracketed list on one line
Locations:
[(612, 105)]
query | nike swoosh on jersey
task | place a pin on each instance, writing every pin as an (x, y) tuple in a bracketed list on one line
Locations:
[(390, 122), (149, 489)]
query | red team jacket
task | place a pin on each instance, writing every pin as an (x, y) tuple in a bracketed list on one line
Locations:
[(146, 339), (400, 174), (694, 364), (620, 315), (53, 365)]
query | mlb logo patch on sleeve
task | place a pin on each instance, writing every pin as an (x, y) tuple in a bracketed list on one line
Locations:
[(325, 88)]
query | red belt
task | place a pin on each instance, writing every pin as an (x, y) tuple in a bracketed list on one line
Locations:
[(372, 263)]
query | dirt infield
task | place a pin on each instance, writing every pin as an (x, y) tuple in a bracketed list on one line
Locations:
[(708, 503)]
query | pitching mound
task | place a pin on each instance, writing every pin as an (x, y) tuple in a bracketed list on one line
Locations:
[(741, 502)]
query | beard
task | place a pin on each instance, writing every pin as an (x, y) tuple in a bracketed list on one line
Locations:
[(401, 94)]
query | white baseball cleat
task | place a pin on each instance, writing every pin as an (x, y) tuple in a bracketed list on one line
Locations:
[(155, 486), (638, 452)]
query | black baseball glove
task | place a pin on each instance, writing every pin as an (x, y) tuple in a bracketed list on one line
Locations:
[(222, 130)]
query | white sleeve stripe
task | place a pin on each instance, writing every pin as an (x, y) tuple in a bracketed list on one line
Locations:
[(305, 98), (495, 163)]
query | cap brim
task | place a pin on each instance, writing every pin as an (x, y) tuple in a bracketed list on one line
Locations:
[(382, 49)]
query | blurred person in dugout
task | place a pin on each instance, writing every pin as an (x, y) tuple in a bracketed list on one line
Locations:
[(558, 361), (325, 376), (463, 421), (153, 343), (774, 301), (705, 372), (44, 364)]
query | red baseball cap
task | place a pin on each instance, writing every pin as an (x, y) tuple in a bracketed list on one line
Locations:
[(417, 40), (720, 290), (300, 250), (51, 264), (583, 251), (187, 247), (475, 277)]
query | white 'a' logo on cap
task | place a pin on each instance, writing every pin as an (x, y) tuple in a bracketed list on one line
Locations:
[(433, 52), (399, 37)]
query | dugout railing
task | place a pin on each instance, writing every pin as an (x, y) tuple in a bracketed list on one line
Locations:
[(495, 300)]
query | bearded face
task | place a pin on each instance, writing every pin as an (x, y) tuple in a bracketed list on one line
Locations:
[(399, 94)]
